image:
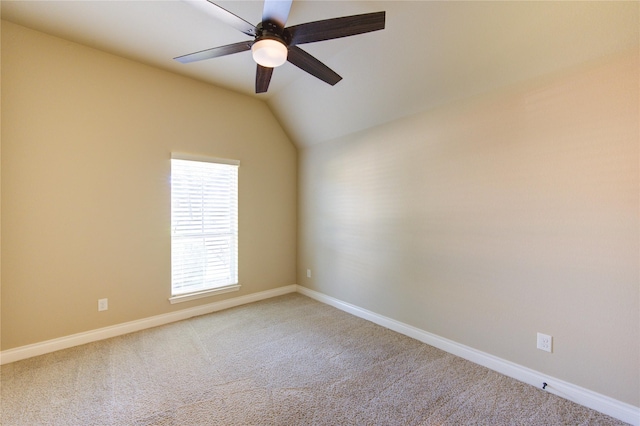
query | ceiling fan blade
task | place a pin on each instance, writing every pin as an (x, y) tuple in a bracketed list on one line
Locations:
[(336, 27), (225, 16), (276, 11), (263, 78), (215, 52), (308, 63)]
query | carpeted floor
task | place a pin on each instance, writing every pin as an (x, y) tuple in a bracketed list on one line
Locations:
[(284, 361)]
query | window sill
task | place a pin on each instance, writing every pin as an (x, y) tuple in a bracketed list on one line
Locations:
[(206, 293)]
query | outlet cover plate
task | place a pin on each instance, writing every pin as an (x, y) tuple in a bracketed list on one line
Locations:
[(545, 342), (103, 304)]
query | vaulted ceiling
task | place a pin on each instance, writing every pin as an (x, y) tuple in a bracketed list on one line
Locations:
[(429, 54)]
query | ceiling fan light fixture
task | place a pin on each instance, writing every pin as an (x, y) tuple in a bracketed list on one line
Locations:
[(269, 52)]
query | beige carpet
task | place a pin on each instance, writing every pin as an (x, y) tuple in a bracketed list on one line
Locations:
[(284, 361)]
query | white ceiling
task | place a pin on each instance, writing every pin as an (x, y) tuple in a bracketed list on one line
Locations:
[(429, 54)]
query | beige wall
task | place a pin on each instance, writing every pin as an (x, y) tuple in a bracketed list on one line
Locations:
[(86, 144), (492, 219)]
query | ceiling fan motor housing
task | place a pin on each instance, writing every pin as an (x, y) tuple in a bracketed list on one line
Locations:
[(271, 30)]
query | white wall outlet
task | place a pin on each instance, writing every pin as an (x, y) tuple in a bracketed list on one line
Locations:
[(308, 273), (545, 342), (103, 304)]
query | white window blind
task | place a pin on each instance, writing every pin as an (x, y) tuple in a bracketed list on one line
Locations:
[(204, 224)]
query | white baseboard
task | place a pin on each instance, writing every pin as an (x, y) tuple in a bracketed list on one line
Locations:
[(41, 348), (604, 404)]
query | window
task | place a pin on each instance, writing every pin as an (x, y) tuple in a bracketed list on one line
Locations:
[(204, 226)]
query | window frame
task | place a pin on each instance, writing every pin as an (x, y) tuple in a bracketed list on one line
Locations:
[(205, 292)]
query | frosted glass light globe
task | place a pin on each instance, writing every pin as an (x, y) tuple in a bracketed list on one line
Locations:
[(269, 53)]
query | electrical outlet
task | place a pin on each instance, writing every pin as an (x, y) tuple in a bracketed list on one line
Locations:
[(545, 342), (308, 273), (103, 304)]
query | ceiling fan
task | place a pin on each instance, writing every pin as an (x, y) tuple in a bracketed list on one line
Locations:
[(273, 44)]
